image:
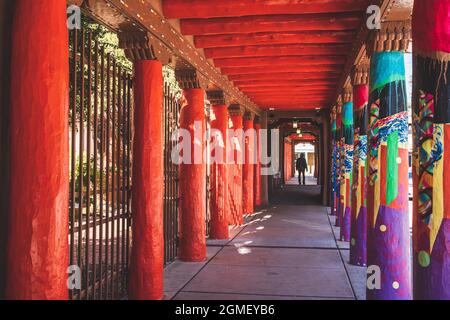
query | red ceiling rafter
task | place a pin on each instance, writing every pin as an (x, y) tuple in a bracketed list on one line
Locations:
[(289, 60), (274, 77), (264, 38), (182, 9), (277, 50), (284, 82), (277, 23), (284, 68)]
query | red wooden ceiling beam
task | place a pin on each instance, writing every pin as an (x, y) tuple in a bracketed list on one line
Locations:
[(286, 88), (271, 23), (291, 97), (276, 50), (182, 9), (278, 69), (295, 107), (282, 82), (268, 90), (275, 86), (289, 60), (308, 37), (282, 92), (237, 78)]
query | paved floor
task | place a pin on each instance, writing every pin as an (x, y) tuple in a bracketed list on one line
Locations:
[(288, 251)]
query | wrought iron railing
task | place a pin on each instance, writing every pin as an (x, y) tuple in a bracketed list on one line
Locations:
[(100, 169), (171, 191)]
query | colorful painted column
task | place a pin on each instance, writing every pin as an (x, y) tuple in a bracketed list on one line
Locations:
[(192, 176), (237, 125), (147, 253), (219, 168), (346, 163), (258, 180), (431, 153), (338, 161), (334, 161), (358, 233), (249, 165), (38, 251), (388, 238)]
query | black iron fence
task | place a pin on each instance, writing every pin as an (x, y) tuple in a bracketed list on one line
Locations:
[(100, 169), (171, 191)]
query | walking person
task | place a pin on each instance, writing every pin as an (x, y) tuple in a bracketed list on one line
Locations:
[(301, 167)]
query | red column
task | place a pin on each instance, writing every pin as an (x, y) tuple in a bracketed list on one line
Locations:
[(258, 198), (193, 181), (37, 257), (237, 123), (147, 254), (219, 176), (249, 167)]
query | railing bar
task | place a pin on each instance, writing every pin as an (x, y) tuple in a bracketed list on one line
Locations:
[(108, 115), (118, 198), (94, 233), (73, 148), (81, 143), (123, 173), (88, 157), (113, 170), (102, 147), (129, 142)]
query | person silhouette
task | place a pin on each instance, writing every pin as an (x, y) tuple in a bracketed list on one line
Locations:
[(301, 167)]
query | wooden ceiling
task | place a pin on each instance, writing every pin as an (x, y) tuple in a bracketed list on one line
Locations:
[(283, 54)]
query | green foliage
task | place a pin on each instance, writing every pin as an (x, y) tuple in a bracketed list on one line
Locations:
[(169, 78), (108, 40)]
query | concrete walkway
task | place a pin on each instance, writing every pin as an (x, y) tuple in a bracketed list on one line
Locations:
[(285, 252)]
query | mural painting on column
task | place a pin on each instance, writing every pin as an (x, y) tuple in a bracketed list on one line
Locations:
[(338, 163), (334, 160), (431, 155), (387, 194), (358, 233), (346, 164)]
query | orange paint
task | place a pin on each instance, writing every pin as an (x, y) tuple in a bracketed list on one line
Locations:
[(248, 170), (193, 183), (147, 253), (219, 179), (258, 180), (237, 123), (38, 252)]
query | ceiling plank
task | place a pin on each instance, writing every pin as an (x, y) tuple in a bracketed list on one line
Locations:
[(255, 77), (288, 60), (271, 23), (282, 68), (182, 9), (308, 37), (276, 50)]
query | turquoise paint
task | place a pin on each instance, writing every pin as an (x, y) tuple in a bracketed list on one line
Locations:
[(386, 67), (347, 114)]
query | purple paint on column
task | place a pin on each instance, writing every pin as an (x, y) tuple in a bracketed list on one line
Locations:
[(358, 254), (389, 249)]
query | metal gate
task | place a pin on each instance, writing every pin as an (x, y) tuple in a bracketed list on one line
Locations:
[(100, 165), (171, 192)]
